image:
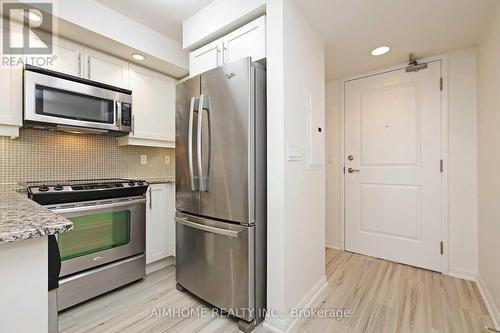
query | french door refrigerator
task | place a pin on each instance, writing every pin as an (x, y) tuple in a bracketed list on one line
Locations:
[(221, 189)]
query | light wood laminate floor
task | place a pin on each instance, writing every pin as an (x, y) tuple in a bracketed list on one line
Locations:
[(383, 297)]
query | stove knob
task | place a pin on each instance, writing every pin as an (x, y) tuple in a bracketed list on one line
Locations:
[(58, 188), (131, 183), (140, 183), (43, 188)]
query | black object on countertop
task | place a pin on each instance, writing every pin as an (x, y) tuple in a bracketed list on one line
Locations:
[(54, 263)]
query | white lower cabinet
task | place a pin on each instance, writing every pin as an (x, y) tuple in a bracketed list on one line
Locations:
[(160, 225)]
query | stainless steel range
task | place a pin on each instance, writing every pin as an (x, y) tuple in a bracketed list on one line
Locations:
[(105, 249)]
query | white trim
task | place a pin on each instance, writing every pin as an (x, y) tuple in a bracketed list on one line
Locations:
[(333, 247), (488, 300), (445, 263), (469, 276), (160, 264), (284, 325), (444, 148), (144, 142), (9, 130), (342, 166)]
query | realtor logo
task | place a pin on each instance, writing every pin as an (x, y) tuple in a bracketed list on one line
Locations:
[(23, 24)]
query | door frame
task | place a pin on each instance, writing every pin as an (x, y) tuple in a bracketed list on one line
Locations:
[(444, 149)]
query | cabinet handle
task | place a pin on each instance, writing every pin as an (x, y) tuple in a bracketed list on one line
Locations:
[(79, 64), (88, 67), (225, 54), (150, 199), (219, 56)]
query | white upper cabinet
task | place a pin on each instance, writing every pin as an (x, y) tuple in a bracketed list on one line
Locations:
[(11, 108), (106, 69), (205, 58), (247, 41), (153, 107), (67, 56)]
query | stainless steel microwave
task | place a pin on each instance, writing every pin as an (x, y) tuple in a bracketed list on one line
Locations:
[(70, 103)]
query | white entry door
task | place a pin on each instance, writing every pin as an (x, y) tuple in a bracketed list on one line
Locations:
[(393, 155)]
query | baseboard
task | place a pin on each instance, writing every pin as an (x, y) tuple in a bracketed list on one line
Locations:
[(284, 325), (463, 275), (488, 300), (160, 264), (333, 247)]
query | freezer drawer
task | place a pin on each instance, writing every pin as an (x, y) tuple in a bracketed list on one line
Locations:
[(215, 261)]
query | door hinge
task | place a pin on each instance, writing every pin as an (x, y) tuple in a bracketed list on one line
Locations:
[(441, 247), (441, 84), (441, 166), (344, 169)]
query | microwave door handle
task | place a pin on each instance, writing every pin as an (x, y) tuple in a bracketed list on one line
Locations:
[(190, 143), (118, 114)]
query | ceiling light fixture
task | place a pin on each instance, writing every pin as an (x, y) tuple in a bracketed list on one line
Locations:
[(34, 17), (380, 50), (138, 56)]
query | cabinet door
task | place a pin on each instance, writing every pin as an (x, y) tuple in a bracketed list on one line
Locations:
[(247, 41), (67, 55), (157, 228), (106, 69), (205, 58), (153, 104), (170, 217), (11, 110)]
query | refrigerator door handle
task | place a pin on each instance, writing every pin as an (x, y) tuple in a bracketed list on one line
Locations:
[(204, 105), (190, 143), (207, 228)]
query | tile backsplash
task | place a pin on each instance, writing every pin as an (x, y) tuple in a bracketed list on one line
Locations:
[(49, 155)]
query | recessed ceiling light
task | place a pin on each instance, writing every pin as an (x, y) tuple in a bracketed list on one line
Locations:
[(380, 50), (34, 16), (138, 56)]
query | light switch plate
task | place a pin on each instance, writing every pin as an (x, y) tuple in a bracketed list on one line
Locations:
[(144, 159), (295, 152), (167, 159)]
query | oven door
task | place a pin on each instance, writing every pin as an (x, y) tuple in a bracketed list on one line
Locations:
[(103, 231), (65, 103)]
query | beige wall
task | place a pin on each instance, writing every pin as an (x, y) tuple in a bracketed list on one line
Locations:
[(489, 162), (47, 155), (333, 167)]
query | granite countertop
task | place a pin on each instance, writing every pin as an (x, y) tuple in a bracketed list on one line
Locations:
[(22, 218), (159, 180)]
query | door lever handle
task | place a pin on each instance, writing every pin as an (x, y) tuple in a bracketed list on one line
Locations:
[(351, 170)]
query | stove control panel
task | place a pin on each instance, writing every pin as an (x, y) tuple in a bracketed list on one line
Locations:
[(79, 187)]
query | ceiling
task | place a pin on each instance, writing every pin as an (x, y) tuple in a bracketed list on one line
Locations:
[(352, 28), (164, 16)]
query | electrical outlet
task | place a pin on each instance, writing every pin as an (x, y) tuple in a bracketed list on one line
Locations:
[(167, 159), (144, 159)]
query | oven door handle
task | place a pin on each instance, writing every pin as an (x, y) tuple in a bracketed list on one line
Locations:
[(97, 205)]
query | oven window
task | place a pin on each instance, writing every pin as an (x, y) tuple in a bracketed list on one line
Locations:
[(94, 233), (70, 105)]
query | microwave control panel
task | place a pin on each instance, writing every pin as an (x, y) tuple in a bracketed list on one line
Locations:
[(126, 114)]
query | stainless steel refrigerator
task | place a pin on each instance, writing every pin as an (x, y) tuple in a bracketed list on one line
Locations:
[(221, 189)]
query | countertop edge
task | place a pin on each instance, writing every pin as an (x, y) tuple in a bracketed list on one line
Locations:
[(22, 218)]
